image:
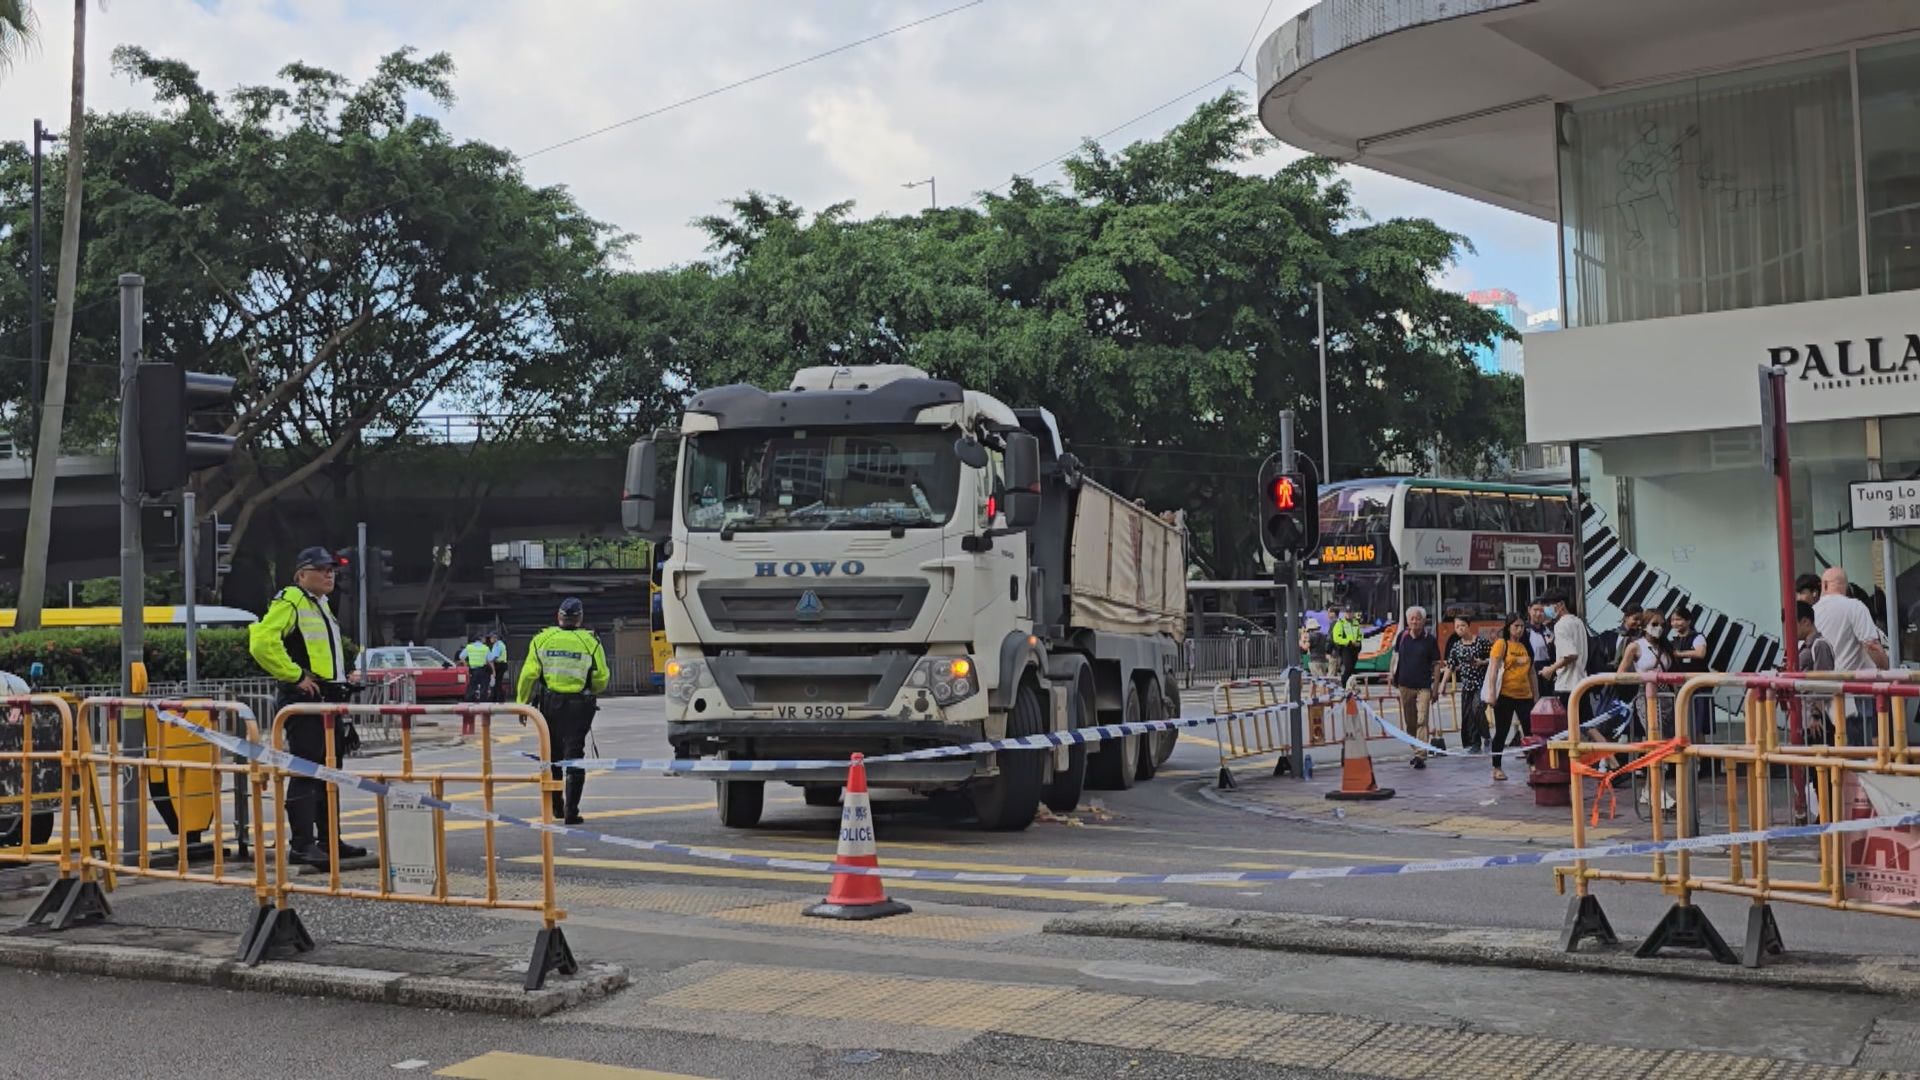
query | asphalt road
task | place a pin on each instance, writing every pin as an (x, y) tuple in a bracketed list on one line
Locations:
[(1165, 825)]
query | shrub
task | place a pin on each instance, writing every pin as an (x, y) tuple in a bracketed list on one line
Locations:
[(91, 655)]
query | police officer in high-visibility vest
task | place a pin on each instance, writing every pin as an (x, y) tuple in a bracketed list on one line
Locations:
[(299, 644), (479, 669), (564, 670)]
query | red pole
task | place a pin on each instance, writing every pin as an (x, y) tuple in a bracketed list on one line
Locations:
[(1774, 388)]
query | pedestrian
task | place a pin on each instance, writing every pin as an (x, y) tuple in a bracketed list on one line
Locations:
[(479, 685), (1569, 664), (1313, 642), (1646, 656), (1540, 640), (1347, 635), (1416, 656), (1510, 665), (1689, 651), (1806, 589), (1816, 654), (563, 675), (1467, 656), (497, 666), (298, 643), (1857, 646)]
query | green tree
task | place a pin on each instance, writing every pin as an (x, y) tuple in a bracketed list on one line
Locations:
[(17, 31), (1160, 303), (349, 261), (33, 566)]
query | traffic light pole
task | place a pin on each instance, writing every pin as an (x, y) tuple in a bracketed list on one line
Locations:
[(1287, 577), (189, 562), (360, 581), (133, 569)]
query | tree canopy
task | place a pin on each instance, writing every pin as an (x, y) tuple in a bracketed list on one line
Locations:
[(355, 265)]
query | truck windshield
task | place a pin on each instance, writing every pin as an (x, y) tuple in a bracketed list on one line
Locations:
[(794, 480)]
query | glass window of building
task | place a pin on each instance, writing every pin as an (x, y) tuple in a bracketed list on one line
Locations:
[(1716, 194), (1890, 148)]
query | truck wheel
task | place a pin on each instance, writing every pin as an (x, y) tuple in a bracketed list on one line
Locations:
[(821, 795), (1063, 793), (1167, 740), (1152, 707), (741, 802), (1008, 802), (1118, 761)]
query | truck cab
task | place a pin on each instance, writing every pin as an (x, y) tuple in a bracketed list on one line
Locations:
[(850, 570)]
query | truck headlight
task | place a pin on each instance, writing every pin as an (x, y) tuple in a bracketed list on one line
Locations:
[(683, 678), (949, 678)]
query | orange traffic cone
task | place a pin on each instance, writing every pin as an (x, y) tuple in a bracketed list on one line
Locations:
[(1356, 761), (857, 896)]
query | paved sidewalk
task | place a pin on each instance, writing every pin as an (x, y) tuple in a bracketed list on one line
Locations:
[(1455, 797)]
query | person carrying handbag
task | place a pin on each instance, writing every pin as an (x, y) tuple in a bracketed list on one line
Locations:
[(1508, 686), (1467, 657)]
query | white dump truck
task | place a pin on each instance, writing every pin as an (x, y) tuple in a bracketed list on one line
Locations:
[(872, 560)]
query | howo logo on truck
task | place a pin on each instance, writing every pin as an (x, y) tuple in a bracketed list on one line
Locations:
[(819, 568)]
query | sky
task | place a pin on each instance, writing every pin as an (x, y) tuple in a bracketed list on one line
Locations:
[(969, 98)]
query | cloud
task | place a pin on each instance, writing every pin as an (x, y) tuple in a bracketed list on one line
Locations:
[(970, 98), (859, 138)]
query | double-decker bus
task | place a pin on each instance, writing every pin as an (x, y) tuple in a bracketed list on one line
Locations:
[(1450, 546)]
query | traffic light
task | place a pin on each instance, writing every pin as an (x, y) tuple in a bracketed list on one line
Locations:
[(170, 451), (1289, 517), (346, 572), (211, 553), (379, 570)]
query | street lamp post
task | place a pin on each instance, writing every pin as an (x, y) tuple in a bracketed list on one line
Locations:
[(933, 191)]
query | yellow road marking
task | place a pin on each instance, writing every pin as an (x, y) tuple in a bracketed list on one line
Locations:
[(500, 1065), (695, 870), (1199, 741), (598, 815)]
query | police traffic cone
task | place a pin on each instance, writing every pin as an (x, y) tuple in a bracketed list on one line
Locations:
[(857, 896), (1356, 761)]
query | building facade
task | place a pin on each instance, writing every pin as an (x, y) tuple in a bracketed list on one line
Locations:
[(1503, 356), (1736, 184)]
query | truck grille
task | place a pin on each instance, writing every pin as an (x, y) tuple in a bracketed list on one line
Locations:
[(881, 606)]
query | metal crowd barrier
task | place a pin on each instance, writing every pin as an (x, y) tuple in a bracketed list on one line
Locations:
[(1443, 717), (37, 750), (154, 770), (1809, 748), (413, 867)]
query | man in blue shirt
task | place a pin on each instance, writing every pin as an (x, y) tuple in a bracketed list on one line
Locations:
[(1416, 655), (497, 665)]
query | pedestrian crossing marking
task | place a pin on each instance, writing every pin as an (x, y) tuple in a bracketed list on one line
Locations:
[(501, 1065), (639, 866)]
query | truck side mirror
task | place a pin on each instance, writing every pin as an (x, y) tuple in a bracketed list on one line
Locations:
[(637, 505), (970, 452), (1023, 480)]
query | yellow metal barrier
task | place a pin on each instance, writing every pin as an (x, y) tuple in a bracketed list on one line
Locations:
[(38, 742), (1252, 724), (1829, 773), (177, 779), (419, 875)]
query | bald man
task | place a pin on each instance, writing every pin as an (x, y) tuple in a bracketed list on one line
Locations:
[(1847, 625)]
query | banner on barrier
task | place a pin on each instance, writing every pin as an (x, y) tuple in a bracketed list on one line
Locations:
[(412, 866), (1883, 865)]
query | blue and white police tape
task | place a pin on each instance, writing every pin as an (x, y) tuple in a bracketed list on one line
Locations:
[(1616, 711), (1045, 741), (252, 751)]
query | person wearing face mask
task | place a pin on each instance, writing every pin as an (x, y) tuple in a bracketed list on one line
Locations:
[(1569, 664), (1646, 655)]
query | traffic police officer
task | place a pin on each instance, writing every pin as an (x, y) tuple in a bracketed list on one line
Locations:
[(298, 643), (564, 670), (479, 669)]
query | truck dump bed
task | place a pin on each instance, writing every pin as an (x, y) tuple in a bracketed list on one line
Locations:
[(1128, 573)]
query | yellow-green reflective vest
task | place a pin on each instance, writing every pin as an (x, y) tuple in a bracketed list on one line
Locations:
[(296, 636)]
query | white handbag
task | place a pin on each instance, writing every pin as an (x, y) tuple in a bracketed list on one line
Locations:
[(1496, 669)]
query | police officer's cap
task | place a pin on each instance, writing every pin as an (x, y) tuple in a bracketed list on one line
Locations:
[(313, 558), (572, 608)]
